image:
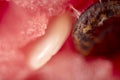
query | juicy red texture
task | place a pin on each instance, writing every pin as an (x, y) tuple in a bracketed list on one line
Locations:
[(3, 8), (66, 65), (81, 5)]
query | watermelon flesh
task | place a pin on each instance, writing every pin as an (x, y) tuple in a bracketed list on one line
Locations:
[(23, 21)]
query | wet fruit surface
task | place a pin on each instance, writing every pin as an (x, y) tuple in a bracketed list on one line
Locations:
[(19, 26)]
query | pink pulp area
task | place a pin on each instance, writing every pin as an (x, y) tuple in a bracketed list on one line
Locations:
[(20, 25)]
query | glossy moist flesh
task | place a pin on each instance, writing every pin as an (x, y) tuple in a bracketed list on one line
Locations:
[(89, 31)]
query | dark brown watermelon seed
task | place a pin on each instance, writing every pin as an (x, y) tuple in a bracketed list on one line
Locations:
[(95, 29)]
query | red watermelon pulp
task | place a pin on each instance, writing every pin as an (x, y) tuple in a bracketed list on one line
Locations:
[(24, 21)]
